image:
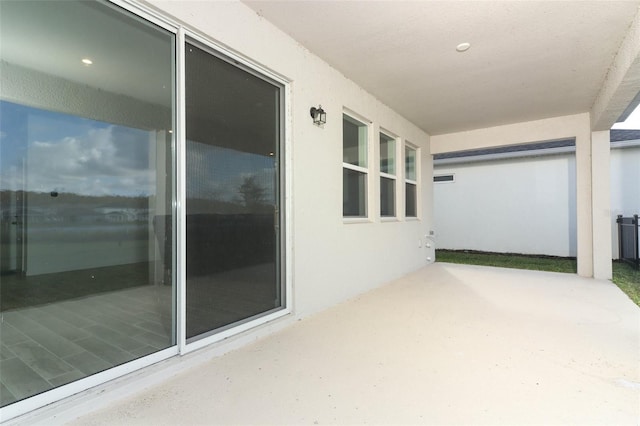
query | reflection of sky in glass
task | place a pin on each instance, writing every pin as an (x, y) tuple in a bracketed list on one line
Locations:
[(72, 154)]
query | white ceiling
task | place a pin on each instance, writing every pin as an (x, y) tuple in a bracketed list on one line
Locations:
[(528, 59)]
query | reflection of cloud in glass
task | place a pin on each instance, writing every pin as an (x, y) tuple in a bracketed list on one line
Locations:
[(75, 155), (71, 154), (89, 164)]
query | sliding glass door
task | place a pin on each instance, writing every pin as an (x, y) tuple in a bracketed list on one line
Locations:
[(233, 193), (89, 205)]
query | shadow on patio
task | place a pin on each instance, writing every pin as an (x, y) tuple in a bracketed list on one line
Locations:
[(448, 344)]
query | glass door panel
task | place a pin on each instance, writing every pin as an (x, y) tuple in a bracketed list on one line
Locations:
[(86, 192), (233, 194)]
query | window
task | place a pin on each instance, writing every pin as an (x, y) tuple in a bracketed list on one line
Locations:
[(443, 178), (410, 181), (387, 176), (354, 167)]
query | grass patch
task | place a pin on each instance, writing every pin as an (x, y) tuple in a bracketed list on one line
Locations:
[(624, 276), (509, 260), (628, 279)]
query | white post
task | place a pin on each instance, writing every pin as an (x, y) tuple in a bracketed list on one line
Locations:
[(584, 222), (601, 204)]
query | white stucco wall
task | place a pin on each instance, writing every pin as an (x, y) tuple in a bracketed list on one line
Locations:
[(331, 260), (523, 205)]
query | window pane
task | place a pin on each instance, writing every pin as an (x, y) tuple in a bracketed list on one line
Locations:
[(387, 197), (387, 154), (85, 193), (354, 142), (410, 163), (411, 203), (354, 193), (233, 214)]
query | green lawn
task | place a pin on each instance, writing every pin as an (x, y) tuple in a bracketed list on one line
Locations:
[(624, 276), (628, 279)]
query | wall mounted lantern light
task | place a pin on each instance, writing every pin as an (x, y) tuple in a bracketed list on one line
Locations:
[(318, 115)]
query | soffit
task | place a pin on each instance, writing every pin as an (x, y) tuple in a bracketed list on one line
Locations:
[(528, 60)]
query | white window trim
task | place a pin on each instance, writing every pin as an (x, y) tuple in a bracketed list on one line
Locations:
[(394, 177), (355, 168), (365, 170), (415, 182), (388, 176)]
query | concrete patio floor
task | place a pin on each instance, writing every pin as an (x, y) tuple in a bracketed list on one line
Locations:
[(448, 344)]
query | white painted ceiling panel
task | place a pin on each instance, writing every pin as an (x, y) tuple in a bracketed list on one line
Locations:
[(528, 59)]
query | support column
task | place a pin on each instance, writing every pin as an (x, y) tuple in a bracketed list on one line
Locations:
[(584, 222), (601, 204)]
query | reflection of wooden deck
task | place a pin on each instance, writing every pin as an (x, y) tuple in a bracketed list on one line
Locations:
[(220, 299), (53, 344), (67, 333), (22, 292)]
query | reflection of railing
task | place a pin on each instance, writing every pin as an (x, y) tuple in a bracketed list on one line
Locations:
[(85, 232), (222, 242), (628, 240)]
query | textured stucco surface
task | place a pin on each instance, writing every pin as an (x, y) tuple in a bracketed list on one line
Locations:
[(557, 128), (622, 82), (521, 205), (448, 344)]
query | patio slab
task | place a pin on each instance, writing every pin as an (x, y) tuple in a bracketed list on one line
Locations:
[(448, 344)]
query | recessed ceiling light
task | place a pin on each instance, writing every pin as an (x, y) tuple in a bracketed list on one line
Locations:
[(87, 61), (463, 47)]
